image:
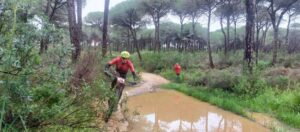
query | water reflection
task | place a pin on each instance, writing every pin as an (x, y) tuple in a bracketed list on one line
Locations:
[(170, 111)]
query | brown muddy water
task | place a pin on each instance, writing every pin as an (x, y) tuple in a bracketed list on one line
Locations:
[(169, 111)]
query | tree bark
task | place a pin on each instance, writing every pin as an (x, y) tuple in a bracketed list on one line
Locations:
[(235, 37), (105, 28), (276, 19), (211, 64), (288, 30), (73, 30), (181, 34), (158, 26), (133, 32), (257, 43), (228, 33), (225, 37), (275, 38), (249, 39), (79, 18), (264, 36)]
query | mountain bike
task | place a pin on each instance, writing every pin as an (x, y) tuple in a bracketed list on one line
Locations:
[(117, 89)]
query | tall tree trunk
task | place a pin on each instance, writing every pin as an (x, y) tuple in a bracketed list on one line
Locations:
[(158, 26), (257, 43), (128, 40), (79, 18), (249, 39), (73, 30), (235, 37), (133, 32), (45, 39), (225, 37), (275, 48), (288, 31), (48, 7), (211, 63), (228, 34), (105, 28), (181, 34), (194, 29), (264, 36), (156, 37)]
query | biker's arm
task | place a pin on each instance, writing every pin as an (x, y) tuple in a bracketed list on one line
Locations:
[(107, 66), (131, 67), (112, 62)]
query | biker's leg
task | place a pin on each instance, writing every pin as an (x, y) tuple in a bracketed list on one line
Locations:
[(120, 91), (122, 86), (113, 83), (111, 101)]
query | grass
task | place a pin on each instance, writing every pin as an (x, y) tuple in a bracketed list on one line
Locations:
[(228, 87), (213, 96), (279, 105)]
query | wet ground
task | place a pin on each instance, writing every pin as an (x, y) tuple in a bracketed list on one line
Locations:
[(167, 111)]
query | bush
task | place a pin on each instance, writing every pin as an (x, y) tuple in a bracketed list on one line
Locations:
[(155, 62), (249, 85), (33, 86), (221, 79), (281, 82), (214, 79)]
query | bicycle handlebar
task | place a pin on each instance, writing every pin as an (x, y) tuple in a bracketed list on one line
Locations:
[(112, 74)]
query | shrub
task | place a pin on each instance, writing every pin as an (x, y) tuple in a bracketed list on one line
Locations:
[(214, 79), (155, 62), (288, 63), (281, 82), (249, 85)]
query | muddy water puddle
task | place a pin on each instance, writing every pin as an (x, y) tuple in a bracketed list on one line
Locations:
[(169, 111)]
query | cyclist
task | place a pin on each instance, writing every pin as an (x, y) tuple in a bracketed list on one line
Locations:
[(177, 69), (122, 64)]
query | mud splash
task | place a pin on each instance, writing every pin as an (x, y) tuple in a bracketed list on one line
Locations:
[(167, 110)]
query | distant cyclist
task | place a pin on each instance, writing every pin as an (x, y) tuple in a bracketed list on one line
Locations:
[(177, 69)]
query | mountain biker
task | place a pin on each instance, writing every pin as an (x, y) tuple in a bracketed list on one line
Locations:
[(177, 69), (122, 65)]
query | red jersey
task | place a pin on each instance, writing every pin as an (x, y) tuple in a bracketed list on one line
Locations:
[(122, 67), (177, 68)]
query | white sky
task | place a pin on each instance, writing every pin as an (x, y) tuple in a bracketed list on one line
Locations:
[(97, 5)]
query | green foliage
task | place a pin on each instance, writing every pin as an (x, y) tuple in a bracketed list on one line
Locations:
[(220, 79), (127, 14), (34, 88), (214, 96), (249, 85), (281, 82), (154, 62), (94, 19), (284, 105)]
